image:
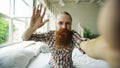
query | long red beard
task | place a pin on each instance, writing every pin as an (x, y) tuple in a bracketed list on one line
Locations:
[(63, 38)]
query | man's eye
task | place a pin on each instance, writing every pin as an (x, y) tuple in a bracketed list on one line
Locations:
[(60, 23), (68, 23)]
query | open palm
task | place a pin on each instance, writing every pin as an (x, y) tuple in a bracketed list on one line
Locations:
[(37, 17)]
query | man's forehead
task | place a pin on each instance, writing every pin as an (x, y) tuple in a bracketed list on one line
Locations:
[(63, 16)]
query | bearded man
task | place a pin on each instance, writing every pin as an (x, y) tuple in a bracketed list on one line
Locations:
[(61, 42)]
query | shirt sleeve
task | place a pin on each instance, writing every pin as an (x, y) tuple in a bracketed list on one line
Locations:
[(43, 37), (77, 39)]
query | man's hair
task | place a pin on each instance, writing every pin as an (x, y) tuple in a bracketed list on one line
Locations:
[(64, 12)]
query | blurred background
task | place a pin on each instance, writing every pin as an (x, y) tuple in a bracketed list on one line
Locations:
[(15, 17)]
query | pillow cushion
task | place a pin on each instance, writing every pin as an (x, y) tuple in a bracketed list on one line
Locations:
[(83, 61), (15, 58), (41, 61), (44, 48)]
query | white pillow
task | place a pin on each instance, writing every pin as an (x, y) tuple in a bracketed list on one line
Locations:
[(16, 58), (83, 61), (41, 61), (44, 48), (34, 48)]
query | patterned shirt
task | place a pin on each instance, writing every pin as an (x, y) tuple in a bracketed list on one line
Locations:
[(61, 58)]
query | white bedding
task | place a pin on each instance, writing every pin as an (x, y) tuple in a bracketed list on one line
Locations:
[(16, 58), (40, 60), (83, 61), (79, 61)]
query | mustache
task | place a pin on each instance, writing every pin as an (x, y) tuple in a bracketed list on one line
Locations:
[(63, 38), (63, 31)]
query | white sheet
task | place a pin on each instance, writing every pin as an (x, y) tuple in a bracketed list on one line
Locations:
[(83, 61), (40, 60), (16, 58), (79, 61)]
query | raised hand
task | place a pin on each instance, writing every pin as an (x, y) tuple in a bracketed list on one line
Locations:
[(37, 17)]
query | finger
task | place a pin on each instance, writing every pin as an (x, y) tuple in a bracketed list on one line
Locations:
[(46, 21), (40, 8), (34, 10), (37, 9), (44, 12)]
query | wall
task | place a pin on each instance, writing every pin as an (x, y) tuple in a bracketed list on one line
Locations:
[(84, 13)]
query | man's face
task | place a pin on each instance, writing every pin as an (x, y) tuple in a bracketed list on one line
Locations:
[(63, 22), (63, 32)]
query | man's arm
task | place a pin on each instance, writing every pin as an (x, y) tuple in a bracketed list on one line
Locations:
[(94, 48), (27, 34), (36, 22), (43, 37)]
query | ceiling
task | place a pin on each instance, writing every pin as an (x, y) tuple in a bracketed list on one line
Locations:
[(69, 1), (77, 1)]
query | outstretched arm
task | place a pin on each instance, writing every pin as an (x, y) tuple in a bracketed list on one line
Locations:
[(107, 46), (94, 48), (36, 21)]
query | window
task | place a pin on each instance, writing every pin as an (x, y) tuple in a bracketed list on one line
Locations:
[(18, 29), (22, 8), (5, 7), (14, 18), (4, 29)]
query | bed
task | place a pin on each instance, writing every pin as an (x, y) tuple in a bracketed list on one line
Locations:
[(30, 54)]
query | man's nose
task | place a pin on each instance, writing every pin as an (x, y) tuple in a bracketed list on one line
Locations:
[(64, 26)]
